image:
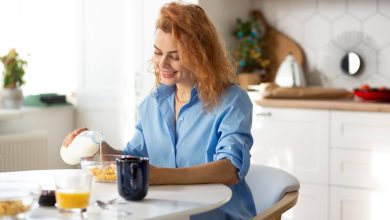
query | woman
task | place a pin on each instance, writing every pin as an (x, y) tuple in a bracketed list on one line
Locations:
[(195, 126)]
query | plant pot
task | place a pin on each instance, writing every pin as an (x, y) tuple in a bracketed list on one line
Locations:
[(12, 98), (246, 79)]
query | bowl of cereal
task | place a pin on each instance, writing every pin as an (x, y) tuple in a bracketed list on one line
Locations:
[(103, 168), (17, 197)]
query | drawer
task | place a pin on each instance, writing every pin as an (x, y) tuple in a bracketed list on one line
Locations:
[(360, 130), (367, 169), (356, 204), (312, 203)]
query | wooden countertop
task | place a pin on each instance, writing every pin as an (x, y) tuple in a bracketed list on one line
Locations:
[(343, 105)]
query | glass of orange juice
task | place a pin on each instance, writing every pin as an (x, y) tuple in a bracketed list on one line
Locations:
[(73, 188)]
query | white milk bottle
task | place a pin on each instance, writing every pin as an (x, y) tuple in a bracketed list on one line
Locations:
[(86, 144)]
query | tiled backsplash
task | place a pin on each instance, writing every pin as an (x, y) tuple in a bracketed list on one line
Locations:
[(319, 25)]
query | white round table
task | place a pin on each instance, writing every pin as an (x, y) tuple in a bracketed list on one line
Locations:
[(162, 202)]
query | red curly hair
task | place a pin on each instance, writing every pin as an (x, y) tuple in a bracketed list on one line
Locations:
[(200, 49)]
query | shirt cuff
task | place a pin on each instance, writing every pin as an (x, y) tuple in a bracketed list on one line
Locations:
[(241, 164)]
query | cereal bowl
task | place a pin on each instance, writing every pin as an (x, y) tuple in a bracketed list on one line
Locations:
[(102, 168), (17, 197)]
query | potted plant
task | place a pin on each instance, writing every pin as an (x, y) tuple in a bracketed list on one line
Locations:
[(13, 74), (248, 51)]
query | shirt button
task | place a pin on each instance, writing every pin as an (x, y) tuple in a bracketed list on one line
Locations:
[(181, 118)]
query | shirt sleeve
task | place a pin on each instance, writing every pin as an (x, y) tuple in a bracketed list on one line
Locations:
[(136, 146), (235, 139)]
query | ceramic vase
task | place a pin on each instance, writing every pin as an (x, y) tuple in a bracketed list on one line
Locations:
[(12, 98)]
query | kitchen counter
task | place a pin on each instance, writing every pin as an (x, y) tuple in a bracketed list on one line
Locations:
[(343, 105)]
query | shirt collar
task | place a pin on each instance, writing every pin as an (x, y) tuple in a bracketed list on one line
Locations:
[(163, 91)]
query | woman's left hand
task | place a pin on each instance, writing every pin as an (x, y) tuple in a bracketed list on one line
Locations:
[(153, 175)]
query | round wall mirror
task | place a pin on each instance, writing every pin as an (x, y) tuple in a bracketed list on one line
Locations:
[(351, 63)]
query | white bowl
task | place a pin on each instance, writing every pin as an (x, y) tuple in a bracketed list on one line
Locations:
[(17, 197), (102, 168)]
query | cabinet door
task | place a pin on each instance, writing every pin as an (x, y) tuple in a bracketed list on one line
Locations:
[(312, 204), (357, 204), (357, 168), (295, 140), (360, 130)]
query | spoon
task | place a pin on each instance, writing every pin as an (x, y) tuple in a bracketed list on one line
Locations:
[(112, 201), (107, 206)]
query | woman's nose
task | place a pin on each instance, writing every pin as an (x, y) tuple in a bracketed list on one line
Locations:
[(163, 62)]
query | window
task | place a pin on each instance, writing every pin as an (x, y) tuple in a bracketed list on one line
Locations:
[(48, 35)]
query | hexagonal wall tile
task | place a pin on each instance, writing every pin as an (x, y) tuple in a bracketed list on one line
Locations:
[(384, 64), (329, 60), (310, 59), (345, 81), (377, 80), (302, 9), (368, 55), (331, 9), (361, 9), (316, 31), (323, 78), (272, 10), (291, 27), (345, 23), (384, 7), (377, 27)]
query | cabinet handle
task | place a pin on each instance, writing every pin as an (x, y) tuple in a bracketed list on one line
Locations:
[(264, 114)]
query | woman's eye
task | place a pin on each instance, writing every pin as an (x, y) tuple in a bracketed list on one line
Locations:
[(174, 57), (157, 53)]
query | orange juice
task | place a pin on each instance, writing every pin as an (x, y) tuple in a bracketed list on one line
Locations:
[(72, 199)]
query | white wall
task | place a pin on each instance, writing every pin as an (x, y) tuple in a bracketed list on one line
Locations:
[(100, 84), (315, 24), (117, 45), (223, 13)]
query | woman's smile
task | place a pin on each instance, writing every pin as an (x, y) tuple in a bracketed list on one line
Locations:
[(168, 74)]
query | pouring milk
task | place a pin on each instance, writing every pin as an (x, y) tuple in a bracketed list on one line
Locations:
[(86, 144)]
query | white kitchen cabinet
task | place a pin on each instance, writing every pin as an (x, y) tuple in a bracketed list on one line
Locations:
[(296, 140), (312, 203), (341, 158), (360, 130), (356, 168), (360, 162), (358, 204)]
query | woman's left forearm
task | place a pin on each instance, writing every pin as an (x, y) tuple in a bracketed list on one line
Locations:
[(220, 171)]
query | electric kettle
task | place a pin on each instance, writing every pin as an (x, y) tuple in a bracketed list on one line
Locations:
[(290, 73)]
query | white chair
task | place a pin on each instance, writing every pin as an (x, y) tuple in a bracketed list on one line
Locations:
[(274, 191)]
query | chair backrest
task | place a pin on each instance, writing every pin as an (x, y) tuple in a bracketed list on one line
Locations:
[(269, 185)]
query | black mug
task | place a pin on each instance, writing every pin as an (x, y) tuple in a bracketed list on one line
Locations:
[(132, 177)]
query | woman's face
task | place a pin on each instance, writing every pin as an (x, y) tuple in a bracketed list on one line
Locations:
[(167, 61)]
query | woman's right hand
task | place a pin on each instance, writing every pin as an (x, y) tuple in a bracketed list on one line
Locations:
[(69, 138)]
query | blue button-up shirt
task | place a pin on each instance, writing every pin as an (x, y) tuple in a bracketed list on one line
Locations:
[(197, 137)]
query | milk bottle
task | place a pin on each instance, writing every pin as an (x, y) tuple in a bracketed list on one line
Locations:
[(86, 144)]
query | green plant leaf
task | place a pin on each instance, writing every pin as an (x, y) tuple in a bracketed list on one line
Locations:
[(14, 69)]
